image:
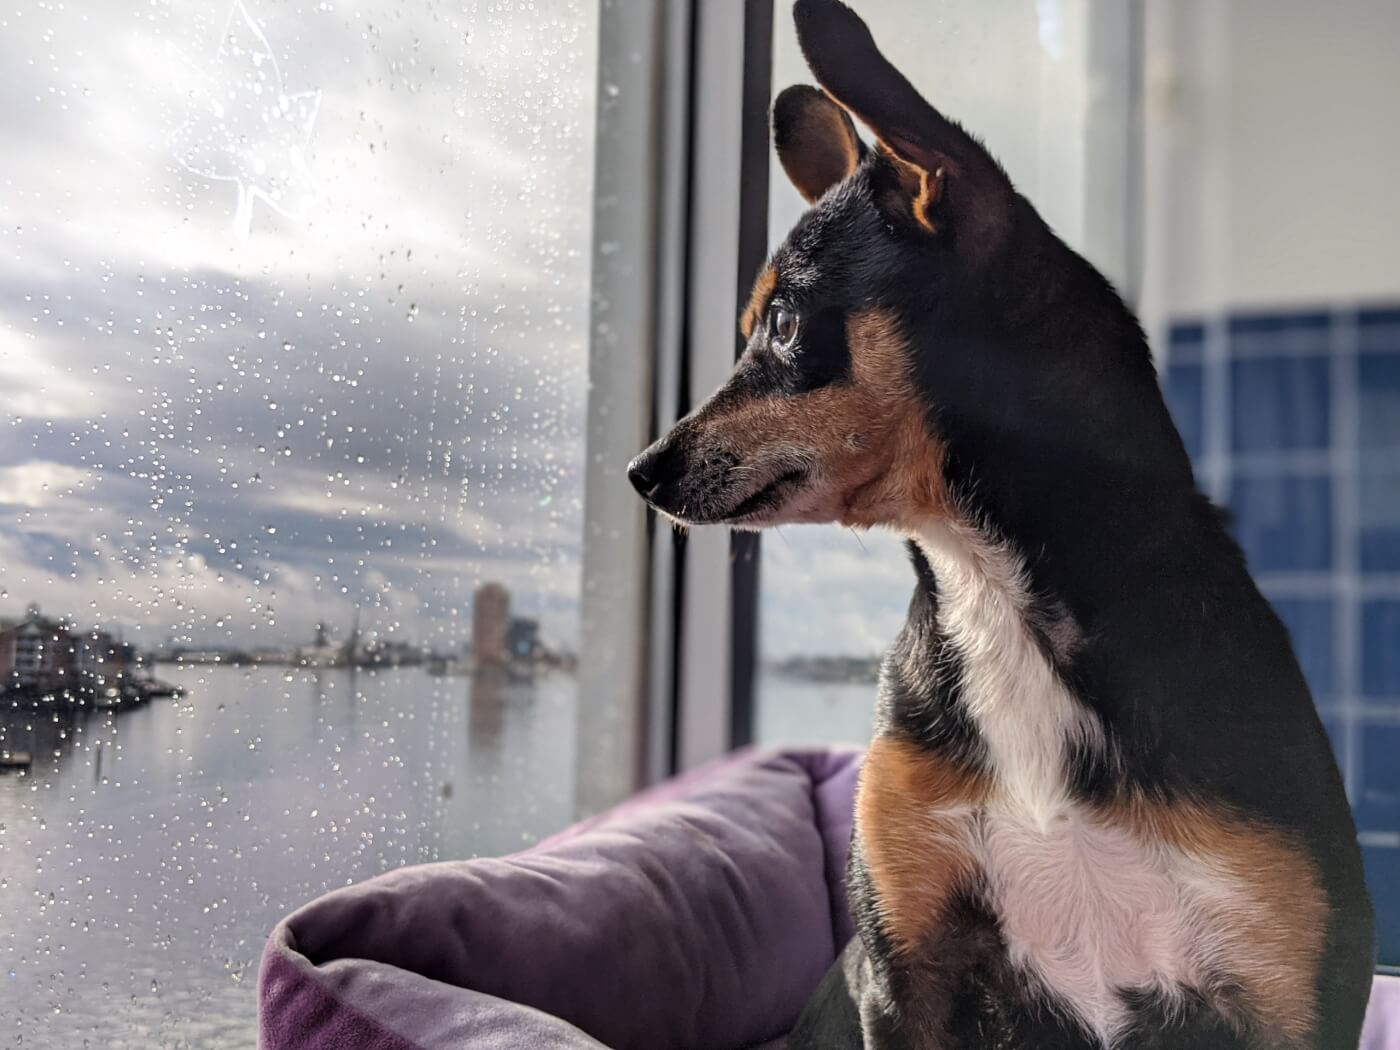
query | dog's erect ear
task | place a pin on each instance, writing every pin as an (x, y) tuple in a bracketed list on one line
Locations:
[(950, 177), (815, 140)]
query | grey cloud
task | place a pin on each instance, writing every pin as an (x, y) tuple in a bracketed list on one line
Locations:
[(435, 310)]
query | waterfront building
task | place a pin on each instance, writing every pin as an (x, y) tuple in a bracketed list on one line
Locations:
[(490, 624), (37, 653)]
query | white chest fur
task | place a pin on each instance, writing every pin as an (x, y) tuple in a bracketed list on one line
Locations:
[(1087, 907)]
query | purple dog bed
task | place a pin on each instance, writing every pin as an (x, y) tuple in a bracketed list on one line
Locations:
[(700, 915)]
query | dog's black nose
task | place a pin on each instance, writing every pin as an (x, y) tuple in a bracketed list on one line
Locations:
[(641, 473)]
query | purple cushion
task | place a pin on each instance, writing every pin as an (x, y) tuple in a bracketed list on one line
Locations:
[(1382, 1031), (701, 913)]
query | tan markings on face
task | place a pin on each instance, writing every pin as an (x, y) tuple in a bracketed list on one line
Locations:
[(1274, 930), (913, 817), (758, 300), (875, 459)]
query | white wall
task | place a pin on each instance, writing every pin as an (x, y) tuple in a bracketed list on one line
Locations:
[(1044, 83), (1272, 144)]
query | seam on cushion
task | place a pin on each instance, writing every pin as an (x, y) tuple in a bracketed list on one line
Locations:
[(309, 971), (832, 769), (833, 892)]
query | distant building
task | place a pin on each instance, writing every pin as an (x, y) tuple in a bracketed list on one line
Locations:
[(322, 652), (103, 661), (490, 624), (388, 652), (37, 653), (523, 640), (214, 654)]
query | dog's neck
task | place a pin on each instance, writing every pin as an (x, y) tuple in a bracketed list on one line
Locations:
[(1062, 657), (1086, 524), (1007, 646), (1049, 424)]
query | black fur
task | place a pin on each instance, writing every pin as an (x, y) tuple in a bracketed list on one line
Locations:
[(833, 1016), (818, 356), (921, 678)]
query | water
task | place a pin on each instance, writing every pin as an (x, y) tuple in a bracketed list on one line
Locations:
[(795, 711), (147, 855)]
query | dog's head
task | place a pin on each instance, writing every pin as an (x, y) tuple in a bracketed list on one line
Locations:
[(885, 288)]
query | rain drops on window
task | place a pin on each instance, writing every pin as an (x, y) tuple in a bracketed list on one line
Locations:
[(293, 321)]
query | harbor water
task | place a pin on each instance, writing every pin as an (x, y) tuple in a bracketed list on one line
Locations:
[(145, 854)]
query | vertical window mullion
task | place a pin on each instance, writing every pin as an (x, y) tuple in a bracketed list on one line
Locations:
[(745, 550)]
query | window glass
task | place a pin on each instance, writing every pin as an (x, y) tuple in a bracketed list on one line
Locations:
[(293, 307)]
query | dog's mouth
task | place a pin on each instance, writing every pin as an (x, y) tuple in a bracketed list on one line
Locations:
[(705, 498), (752, 507)]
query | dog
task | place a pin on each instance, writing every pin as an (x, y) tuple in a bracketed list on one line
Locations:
[(1099, 809)]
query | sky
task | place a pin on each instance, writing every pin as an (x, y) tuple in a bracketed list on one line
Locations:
[(293, 314), (294, 322)]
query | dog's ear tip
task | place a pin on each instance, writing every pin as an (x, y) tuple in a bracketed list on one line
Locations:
[(817, 19), (827, 32), (812, 13), (815, 140), (791, 103), (795, 95)]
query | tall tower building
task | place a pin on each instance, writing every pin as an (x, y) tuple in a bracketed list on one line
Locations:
[(490, 620)]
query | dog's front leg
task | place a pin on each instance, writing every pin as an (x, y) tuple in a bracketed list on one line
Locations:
[(832, 1018)]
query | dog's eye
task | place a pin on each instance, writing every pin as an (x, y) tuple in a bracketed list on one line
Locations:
[(783, 324)]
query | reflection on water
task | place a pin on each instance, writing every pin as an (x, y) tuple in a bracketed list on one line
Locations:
[(145, 855), (487, 710)]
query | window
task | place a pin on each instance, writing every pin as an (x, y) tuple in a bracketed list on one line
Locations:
[(294, 308), (327, 329), (1280, 353)]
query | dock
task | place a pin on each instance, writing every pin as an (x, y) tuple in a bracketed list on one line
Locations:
[(16, 759)]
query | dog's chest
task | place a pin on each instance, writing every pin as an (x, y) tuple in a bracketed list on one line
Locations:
[(1090, 910), (1087, 908)]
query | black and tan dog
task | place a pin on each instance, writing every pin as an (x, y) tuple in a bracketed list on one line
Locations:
[(1099, 809)]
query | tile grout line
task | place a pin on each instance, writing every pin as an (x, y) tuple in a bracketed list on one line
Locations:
[(1346, 518)]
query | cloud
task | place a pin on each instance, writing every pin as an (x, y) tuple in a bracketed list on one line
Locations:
[(379, 405), (40, 484)]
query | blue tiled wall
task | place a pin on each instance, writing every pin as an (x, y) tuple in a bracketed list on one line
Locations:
[(1280, 403), (1293, 421), (1309, 621), (1284, 521), (1380, 655)]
